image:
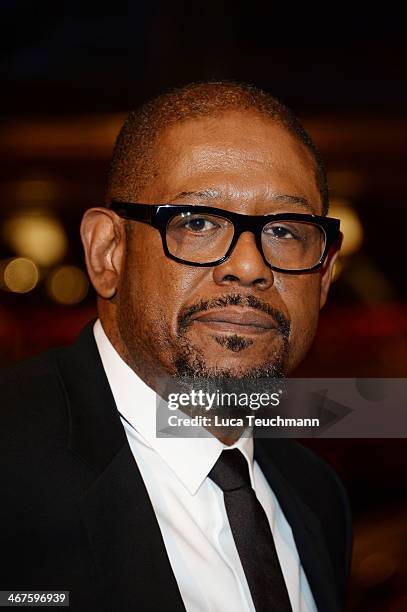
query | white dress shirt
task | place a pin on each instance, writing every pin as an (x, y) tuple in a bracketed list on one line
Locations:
[(189, 507)]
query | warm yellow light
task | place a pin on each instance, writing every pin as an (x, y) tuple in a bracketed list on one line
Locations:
[(68, 285), (351, 226), (20, 275), (337, 270), (38, 236)]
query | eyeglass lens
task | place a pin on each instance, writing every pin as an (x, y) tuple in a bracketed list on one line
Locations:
[(206, 238)]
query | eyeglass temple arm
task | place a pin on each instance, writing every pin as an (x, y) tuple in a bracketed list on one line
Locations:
[(138, 212)]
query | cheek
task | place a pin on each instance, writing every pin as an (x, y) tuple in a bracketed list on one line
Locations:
[(159, 286), (301, 295)]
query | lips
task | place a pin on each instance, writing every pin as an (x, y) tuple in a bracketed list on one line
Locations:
[(236, 320)]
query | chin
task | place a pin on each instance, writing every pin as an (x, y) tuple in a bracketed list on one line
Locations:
[(230, 356), (230, 369)]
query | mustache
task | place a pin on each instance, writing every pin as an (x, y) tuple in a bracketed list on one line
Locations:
[(250, 301)]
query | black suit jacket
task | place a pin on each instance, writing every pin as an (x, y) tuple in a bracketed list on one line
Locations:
[(75, 514)]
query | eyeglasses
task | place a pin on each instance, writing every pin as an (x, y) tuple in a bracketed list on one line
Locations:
[(206, 236)]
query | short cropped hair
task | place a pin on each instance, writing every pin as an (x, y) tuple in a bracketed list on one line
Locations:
[(133, 161)]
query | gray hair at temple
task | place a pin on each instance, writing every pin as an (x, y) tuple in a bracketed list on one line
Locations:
[(133, 162)]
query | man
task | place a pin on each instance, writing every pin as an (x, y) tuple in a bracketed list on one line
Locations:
[(192, 280)]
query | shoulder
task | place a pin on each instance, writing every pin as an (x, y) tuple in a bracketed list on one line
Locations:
[(312, 478), (32, 399), (307, 471)]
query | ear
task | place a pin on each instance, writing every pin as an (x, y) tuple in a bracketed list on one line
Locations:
[(327, 269), (103, 238)]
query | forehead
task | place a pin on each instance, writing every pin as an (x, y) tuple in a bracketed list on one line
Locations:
[(243, 155)]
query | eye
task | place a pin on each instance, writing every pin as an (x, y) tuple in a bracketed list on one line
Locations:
[(279, 231), (198, 224)]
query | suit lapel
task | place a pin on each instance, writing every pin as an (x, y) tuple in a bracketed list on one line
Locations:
[(307, 532), (122, 528), (126, 540)]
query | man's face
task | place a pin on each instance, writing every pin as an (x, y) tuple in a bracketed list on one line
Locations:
[(238, 318)]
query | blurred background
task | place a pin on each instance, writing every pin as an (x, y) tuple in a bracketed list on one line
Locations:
[(71, 71)]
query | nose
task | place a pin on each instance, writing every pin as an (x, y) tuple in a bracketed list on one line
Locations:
[(245, 267)]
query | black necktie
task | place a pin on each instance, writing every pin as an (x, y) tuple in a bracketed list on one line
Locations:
[(251, 532)]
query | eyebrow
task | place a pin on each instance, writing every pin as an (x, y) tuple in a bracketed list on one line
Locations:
[(206, 194), (214, 194)]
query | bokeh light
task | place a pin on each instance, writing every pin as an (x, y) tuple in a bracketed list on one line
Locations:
[(337, 270), (38, 236), (20, 275), (351, 226), (67, 285), (375, 568)]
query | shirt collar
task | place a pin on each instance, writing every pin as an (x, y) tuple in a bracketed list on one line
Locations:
[(191, 459)]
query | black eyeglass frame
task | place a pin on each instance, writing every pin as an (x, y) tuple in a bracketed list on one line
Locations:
[(159, 215)]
